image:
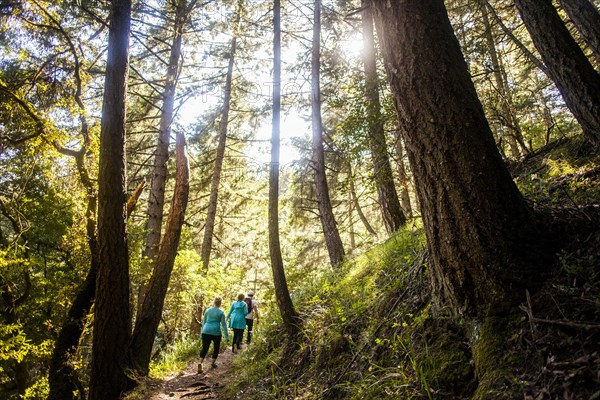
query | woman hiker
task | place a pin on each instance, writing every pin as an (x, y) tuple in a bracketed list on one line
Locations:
[(214, 322), (237, 321)]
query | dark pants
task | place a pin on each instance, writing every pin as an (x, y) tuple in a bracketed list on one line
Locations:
[(206, 339), (238, 335), (249, 325)]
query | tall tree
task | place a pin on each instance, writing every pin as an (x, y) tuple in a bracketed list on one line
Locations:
[(282, 293), (567, 65), (484, 244), (333, 241), (211, 211), (112, 321), (481, 235), (151, 309), (156, 196), (586, 19), (393, 217)]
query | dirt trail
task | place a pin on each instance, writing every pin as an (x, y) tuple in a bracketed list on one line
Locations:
[(188, 385)]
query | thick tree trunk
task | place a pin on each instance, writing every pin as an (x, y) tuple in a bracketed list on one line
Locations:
[(156, 197), (571, 71), (393, 217), (484, 246), (333, 241), (586, 19), (211, 212), (112, 320), (149, 316), (282, 294)]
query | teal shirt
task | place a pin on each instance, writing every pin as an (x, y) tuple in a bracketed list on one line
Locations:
[(237, 315), (214, 320)]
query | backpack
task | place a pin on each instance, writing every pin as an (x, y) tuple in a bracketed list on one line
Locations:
[(248, 302)]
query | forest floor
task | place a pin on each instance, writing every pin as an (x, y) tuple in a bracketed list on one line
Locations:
[(189, 385)]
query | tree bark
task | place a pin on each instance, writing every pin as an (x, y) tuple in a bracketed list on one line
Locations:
[(393, 217), (146, 325), (484, 245), (156, 196), (282, 294), (586, 19), (571, 71), (211, 212), (112, 320), (333, 241)]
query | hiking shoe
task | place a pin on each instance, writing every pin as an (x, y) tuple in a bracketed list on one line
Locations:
[(200, 368), (214, 365)]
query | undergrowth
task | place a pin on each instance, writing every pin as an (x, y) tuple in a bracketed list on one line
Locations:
[(369, 333), (356, 335)]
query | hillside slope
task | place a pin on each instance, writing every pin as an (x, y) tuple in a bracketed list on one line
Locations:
[(370, 331)]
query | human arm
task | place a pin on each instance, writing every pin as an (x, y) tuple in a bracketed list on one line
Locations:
[(224, 326)]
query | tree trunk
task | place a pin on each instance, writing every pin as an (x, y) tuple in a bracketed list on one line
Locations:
[(404, 179), (112, 320), (211, 212), (568, 67), (149, 316), (354, 198), (282, 294), (393, 217), (156, 197), (586, 19), (62, 377), (482, 239), (333, 241), (509, 118)]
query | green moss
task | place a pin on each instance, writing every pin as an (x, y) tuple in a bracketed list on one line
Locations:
[(443, 357), (493, 361)]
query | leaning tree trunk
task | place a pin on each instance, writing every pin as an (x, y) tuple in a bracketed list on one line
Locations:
[(586, 19), (356, 203), (146, 325), (393, 217), (109, 378), (571, 71), (282, 293), (62, 377), (156, 196), (333, 241), (211, 212)]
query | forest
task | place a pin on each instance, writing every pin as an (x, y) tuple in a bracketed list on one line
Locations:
[(410, 187)]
